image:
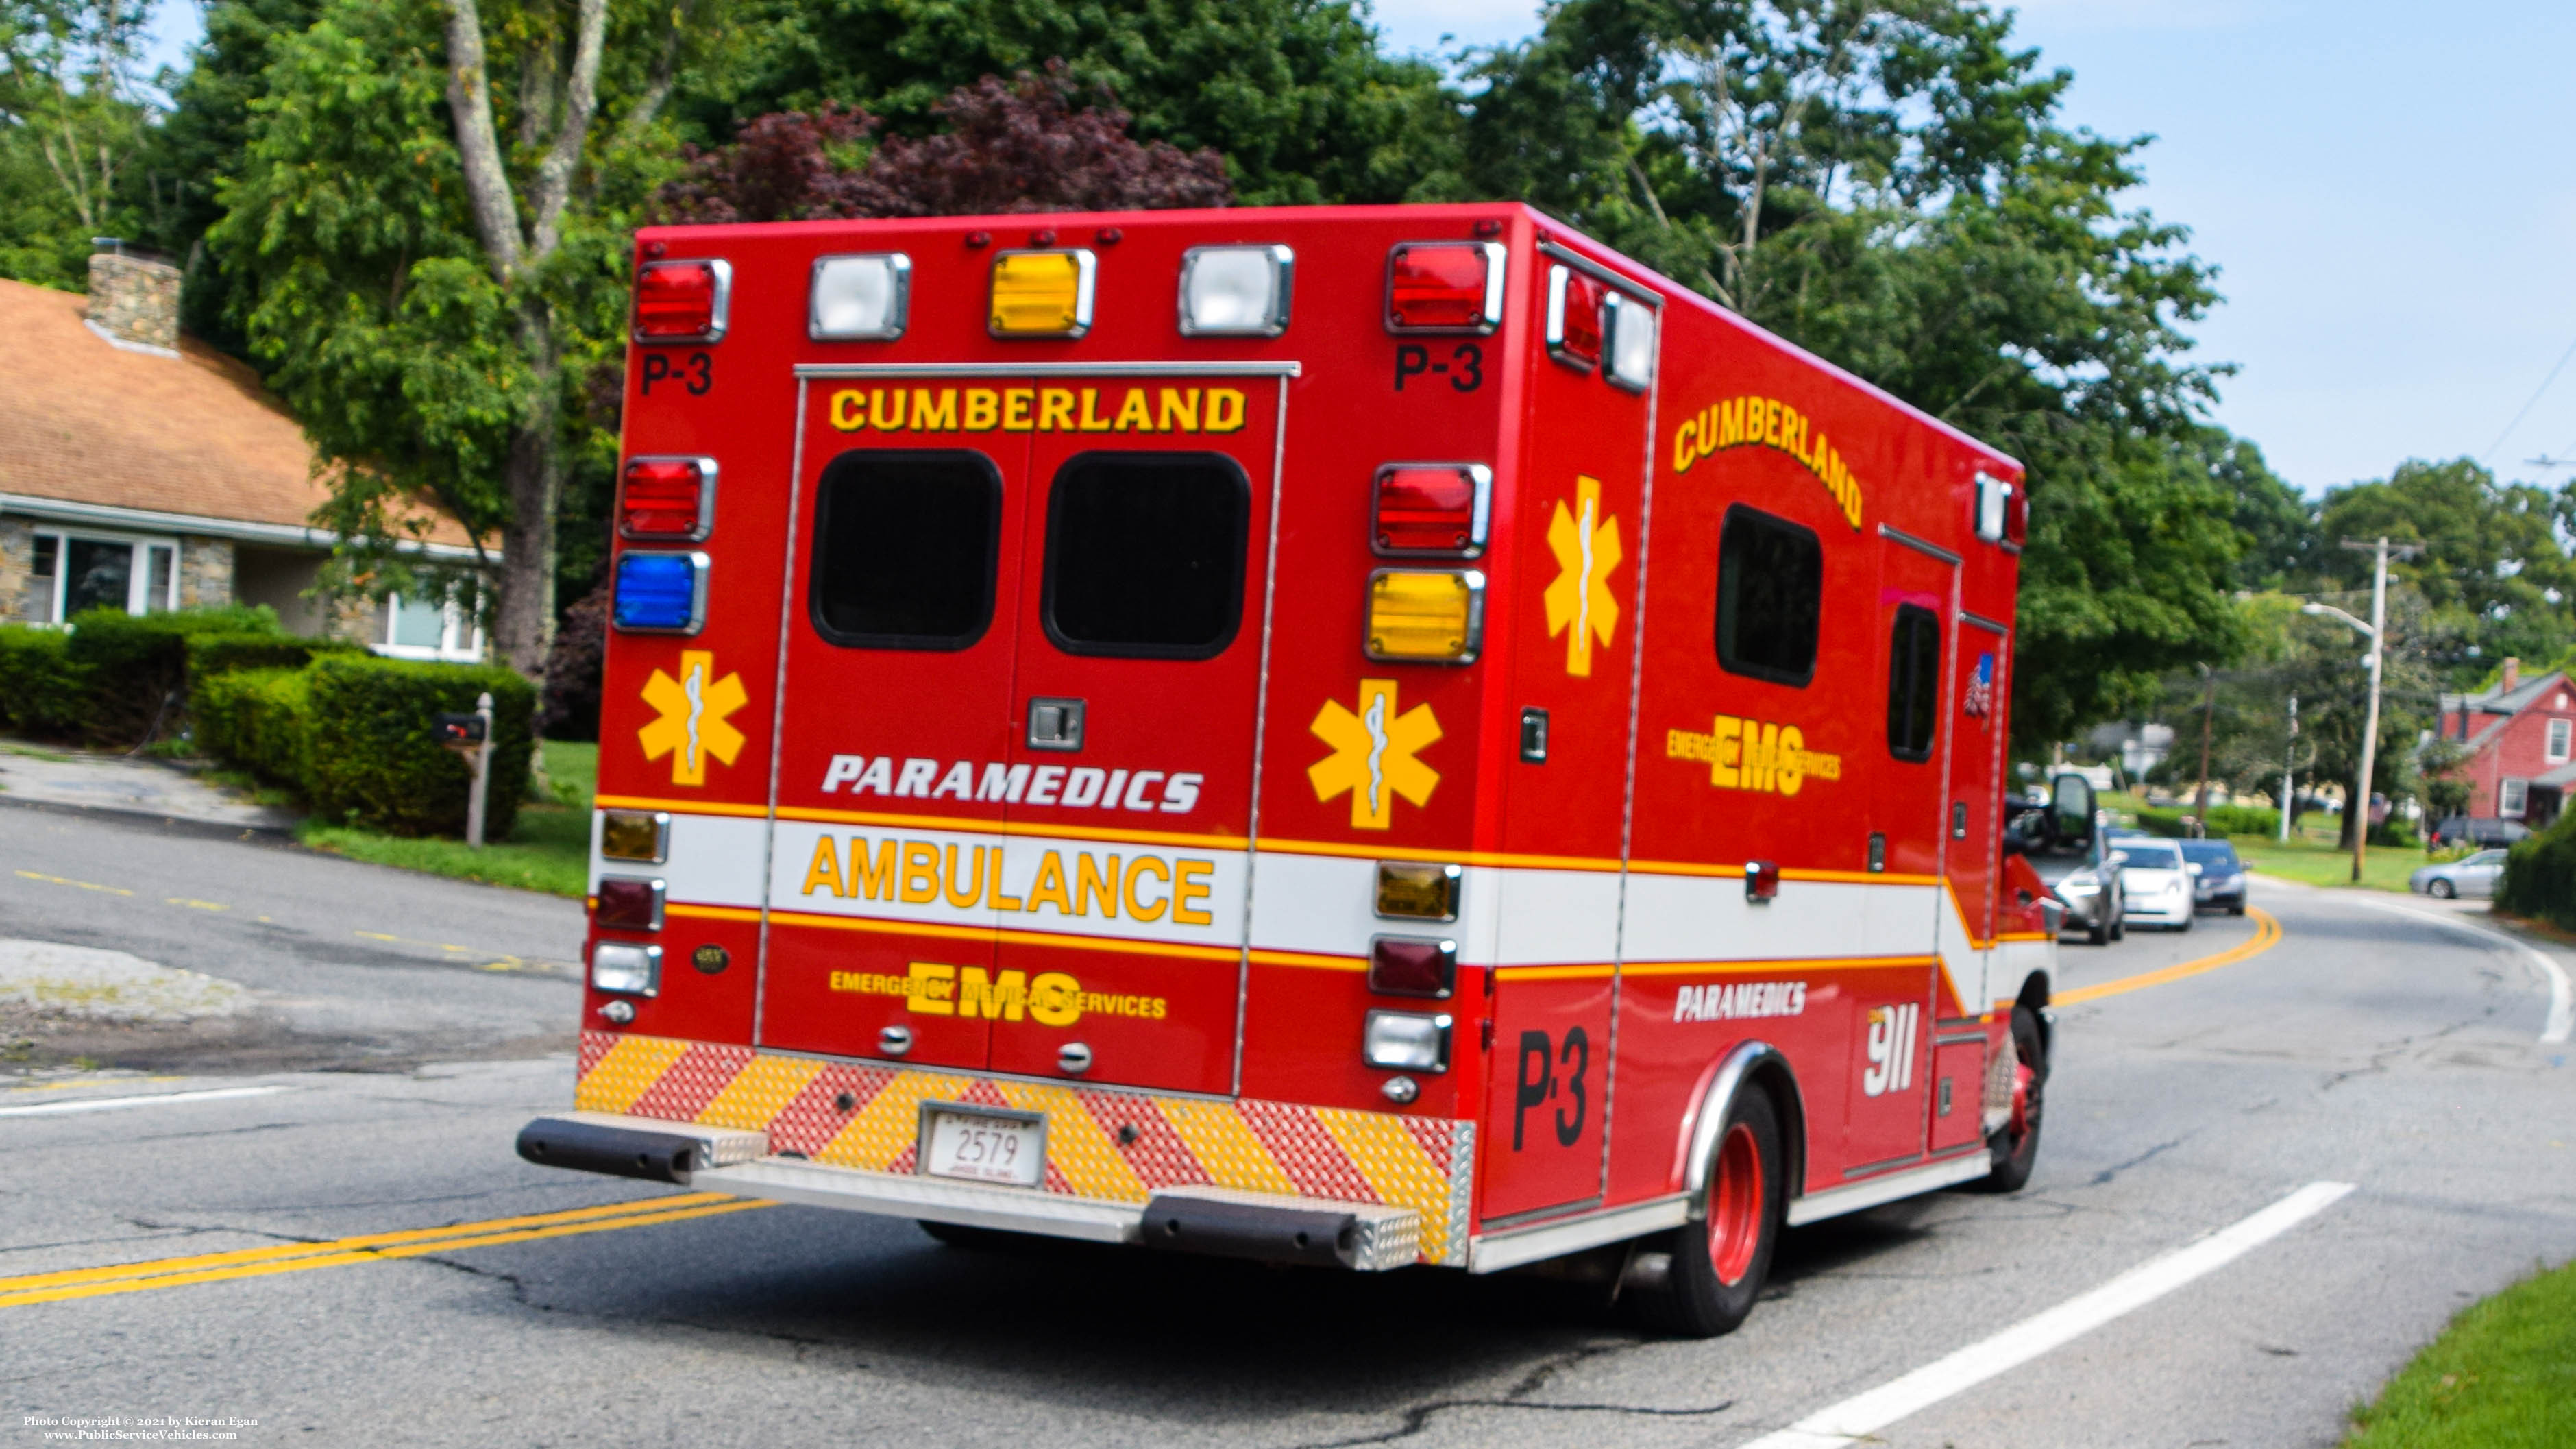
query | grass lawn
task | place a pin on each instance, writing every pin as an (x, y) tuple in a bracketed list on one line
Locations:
[(548, 849), (2319, 862), (2503, 1376)]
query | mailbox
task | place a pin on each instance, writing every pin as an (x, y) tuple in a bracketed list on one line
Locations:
[(460, 731)]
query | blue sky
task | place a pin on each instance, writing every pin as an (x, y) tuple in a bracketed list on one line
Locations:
[(2388, 190)]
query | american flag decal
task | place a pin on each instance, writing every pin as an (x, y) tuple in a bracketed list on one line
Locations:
[(1981, 688)]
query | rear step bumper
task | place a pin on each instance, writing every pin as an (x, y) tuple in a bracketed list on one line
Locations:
[(1217, 1221)]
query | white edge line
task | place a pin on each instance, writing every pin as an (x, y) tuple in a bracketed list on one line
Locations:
[(110, 1104), (1859, 1417), (2562, 992)]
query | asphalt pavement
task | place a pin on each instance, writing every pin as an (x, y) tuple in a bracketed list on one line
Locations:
[(358, 1258)]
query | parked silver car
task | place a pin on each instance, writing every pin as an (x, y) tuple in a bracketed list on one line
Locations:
[(2470, 875)]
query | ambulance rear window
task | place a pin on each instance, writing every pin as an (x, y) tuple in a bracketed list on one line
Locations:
[(1145, 554), (1770, 595), (903, 549)]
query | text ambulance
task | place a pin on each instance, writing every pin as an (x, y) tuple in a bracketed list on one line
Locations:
[(1355, 736)]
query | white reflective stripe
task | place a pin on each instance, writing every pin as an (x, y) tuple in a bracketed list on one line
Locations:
[(1188, 894)]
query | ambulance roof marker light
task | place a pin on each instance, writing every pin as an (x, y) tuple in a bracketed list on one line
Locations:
[(1239, 291), (1431, 510), (1574, 306), (683, 301), (1043, 293), (1628, 327), (667, 500), (866, 298), (1444, 287)]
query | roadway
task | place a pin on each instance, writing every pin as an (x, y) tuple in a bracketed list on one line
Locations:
[(2365, 1047)]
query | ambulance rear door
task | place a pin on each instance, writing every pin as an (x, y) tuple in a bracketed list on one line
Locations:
[(1146, 531), (901, 614)]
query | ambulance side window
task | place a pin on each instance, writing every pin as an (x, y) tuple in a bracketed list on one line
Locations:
[(1913, 683), (903, 549), (1145, 554), (1770, 597)]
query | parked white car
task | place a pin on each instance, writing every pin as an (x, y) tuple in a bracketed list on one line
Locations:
[(2470, 875), (2155, 885)]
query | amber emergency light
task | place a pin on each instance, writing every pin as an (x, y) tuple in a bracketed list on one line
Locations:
[(1409, 890), (667, 500), (1426, 616), (682, 301), (1452, 287), (640, 835), (1432, 509), (1042, 294)]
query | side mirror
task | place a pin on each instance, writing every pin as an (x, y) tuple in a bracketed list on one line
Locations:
[(2072, 797)]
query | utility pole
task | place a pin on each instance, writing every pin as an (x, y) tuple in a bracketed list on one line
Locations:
[(2289, 763), (2208, 704), (2376, 631)]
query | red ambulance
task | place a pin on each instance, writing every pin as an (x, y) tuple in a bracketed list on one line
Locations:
[(1357, 736)]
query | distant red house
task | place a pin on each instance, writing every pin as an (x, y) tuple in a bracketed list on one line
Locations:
[(2521, 739)]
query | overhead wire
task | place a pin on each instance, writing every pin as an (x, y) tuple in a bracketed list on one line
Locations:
[(2488, 457)]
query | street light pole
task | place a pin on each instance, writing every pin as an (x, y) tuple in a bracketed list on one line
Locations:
[(2377, 632), (2289, 764)]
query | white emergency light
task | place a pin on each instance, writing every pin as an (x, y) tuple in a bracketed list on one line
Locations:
[(860, 298), (1630, 324), (1236, 291), (1408, 1041), (624, 967)]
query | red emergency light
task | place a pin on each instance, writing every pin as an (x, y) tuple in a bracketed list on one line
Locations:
[(667, 500), (1411, 966), (1438, 509), (682, 301), (1444, 287), (1762, 881), (2017, 515), (628, 903), (1574, 318)]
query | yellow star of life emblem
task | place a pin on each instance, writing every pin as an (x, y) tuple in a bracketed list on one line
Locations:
[(1373, 754), (690, 717), (1586, 551)]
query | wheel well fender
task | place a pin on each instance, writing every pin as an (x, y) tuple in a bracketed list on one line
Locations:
[(1747, 1064)]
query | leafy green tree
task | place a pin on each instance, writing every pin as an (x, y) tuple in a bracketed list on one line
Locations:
[(2494, 561), (74, 113), (1294, 93), (431, 221), (1888, 184)]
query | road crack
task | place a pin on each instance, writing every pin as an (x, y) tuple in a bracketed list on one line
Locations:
[(1417, 1418)]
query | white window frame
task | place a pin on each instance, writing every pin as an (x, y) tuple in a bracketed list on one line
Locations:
[(138, 578), (2513, 799), (2556, 748), (460, 639)]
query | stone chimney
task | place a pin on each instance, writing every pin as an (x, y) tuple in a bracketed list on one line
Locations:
[(134, 303), (2512, 674)]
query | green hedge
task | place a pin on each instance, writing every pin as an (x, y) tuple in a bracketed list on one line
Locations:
[(2540, 875), (369, 754), (2223, 820), (40, 690), (255, 718), (213, 654), (132, 666)]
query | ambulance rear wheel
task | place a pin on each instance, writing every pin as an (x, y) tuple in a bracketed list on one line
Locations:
[(2016, 1146), (1720, 1261)]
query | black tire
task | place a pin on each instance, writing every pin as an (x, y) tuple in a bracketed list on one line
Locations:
[(2440, 889), (2236, 910), (1697, 1299), (2099, 935), (2188, 921), (2016, 1146), (2120, 929)]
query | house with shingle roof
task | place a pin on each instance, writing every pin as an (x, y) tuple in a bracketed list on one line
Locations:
[(2520, 735), (144, 470)]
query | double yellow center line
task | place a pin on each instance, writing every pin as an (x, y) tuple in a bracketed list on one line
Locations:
[(2267, 934), (366, 1248)]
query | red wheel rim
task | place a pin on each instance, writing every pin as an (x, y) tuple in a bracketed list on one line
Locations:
[(1735, 1205)]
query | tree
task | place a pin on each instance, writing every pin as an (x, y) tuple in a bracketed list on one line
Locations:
[(1015, 147), (74, 111), (1295, 94), (2494, 564), (1886, 183), (435, 260)]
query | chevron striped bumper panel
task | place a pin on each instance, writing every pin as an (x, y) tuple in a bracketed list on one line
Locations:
[(1103, 1145)]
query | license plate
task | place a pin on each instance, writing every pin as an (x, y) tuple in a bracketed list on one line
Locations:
[(1006, 1148)]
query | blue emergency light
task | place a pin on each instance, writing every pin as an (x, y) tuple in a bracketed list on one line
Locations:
[(661, 593)]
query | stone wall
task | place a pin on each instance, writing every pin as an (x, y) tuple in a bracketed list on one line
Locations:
[(134, 300), (18, 584), (205, 572)]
